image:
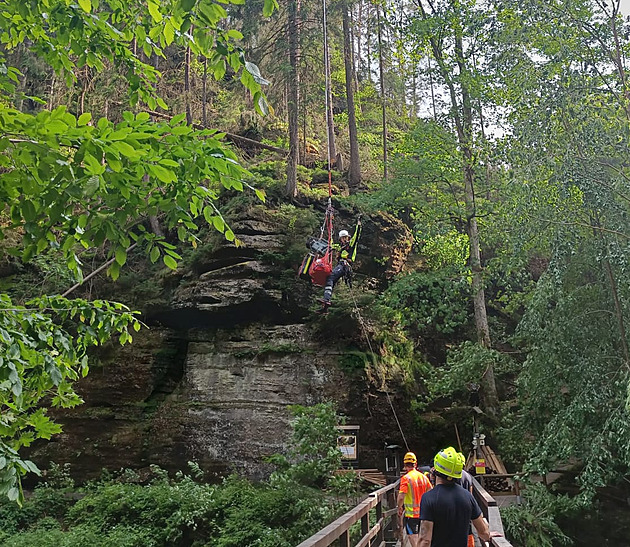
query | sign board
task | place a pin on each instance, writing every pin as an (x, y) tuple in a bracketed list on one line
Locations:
[(480, 466), (348, 446), (347, 442)]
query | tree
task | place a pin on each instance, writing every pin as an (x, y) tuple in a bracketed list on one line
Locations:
[(293, 99), (71, 184), (453, 65), (354, 173), (570, 179)]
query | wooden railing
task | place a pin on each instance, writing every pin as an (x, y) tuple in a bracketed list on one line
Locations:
[(383, 500), (490, 510)]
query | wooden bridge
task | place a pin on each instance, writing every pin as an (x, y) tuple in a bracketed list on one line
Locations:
[(379, 527)]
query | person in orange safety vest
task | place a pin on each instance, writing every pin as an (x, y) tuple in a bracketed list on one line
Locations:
[(412, 486)]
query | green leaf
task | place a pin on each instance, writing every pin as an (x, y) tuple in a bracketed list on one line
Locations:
[(92, 185), (154, 10), (155, 254), (126, 149), (121, 255), (229, 235), (261, 194), (218, 223), (28, 210), (84, 118), (169, 33), (170, 262), (114, 271), (86, 5), (269, 7), (165, 175), (255, 72)]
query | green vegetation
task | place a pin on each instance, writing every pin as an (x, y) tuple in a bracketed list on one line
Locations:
[(498, 137), (124, 510)]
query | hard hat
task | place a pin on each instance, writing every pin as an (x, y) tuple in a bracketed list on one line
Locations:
[(410, 457), (462, 458), (447, 462), (344, 233)]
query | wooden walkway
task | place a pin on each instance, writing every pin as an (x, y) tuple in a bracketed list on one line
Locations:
[(379, 508)]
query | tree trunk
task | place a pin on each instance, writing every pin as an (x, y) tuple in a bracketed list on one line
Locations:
[(204, 93), (293, 98), (383, 98), (614, 292), (354, 174), (351, 22), (189, 119), (359, 34), (368, 52), (465, 133), (461, 111), (330, 122)]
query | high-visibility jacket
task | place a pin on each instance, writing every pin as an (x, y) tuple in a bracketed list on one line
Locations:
[(349, 250), (413, 485)]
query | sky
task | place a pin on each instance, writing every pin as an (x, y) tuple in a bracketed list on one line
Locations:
[(625, 7)]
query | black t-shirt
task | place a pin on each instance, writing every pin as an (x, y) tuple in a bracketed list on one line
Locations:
[(466, 481), (450, 508)]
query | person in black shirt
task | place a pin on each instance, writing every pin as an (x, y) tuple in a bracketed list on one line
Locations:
[(447, 510)]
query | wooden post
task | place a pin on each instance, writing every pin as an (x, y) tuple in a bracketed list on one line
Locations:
[(380, 536)]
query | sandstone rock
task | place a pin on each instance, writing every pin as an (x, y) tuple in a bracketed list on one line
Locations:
[(234, 347)]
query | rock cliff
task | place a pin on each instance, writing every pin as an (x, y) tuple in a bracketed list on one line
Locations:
[(232, 343)]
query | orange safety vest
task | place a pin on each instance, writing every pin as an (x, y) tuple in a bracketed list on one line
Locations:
[(413, 485)]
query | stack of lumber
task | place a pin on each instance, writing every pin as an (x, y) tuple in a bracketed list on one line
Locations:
[(373, 476)]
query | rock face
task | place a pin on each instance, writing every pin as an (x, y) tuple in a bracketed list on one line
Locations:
[(212, 378)]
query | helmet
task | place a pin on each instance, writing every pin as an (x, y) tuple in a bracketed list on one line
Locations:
[(462, 458), (447, 462), (410, 457), (344, 233)]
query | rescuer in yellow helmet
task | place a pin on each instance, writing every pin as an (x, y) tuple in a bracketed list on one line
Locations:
[(447, 510), (413, 485)]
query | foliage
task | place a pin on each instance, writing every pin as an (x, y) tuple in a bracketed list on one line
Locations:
[(183, 511), (314, 454), (428, 302), (39, 357), (465, 366), (70, 184), (533, 523)]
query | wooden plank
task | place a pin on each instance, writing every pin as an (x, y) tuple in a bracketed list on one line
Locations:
[(330, 533), (365, 541), (494, 520)]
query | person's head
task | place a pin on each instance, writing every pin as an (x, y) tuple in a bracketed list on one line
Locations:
[(448, 465), (344, 236), (410, 461)]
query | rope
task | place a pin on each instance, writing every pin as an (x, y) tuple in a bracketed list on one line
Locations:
[(367, 338), (326, 87)]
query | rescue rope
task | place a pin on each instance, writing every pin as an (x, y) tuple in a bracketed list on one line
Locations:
[(367, 338), (326, 88)]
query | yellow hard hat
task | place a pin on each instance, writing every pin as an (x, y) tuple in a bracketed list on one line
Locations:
[(410, 457), (447, 462)]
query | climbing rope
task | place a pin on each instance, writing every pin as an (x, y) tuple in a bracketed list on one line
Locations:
[(326, 88), (367, 339)]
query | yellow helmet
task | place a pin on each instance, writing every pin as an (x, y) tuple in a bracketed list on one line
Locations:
[(448, 463), (410, 457)]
